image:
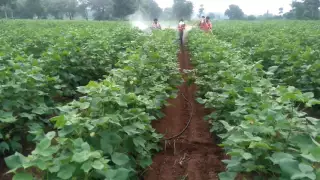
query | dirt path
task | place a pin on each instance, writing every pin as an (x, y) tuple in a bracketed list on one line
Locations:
[(193, 155)]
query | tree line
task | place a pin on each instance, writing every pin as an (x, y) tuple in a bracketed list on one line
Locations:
[(98, 9), (302, 10)]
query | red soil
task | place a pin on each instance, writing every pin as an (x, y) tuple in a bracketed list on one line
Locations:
[(193, 155)]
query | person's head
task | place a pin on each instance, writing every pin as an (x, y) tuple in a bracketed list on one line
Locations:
[(181, 20), (155, 20), (207, 18), (203, 17)]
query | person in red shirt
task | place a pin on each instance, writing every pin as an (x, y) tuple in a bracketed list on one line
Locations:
[(156, 24), (202, 22), (181, 28), (208, 25)]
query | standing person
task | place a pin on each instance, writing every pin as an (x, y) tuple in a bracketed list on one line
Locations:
[(181, 28), (202, 22), (156, 24), (207, 25)]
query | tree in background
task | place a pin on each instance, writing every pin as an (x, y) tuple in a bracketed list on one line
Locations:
[(103, 9), (234, 12), (56, 8), (123, 8), (34, 8), (201, 11), (182, 9), (167, 14), (251, 17), (150, 9), (70, 8), (82, 9), (306, 9), (311, 9), (7, 6)]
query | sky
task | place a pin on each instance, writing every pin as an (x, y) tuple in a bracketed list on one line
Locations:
[(249, 7)]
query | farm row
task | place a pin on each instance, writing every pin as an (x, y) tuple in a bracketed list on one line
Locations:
[(256, 109), (77, 99), (82, 97)]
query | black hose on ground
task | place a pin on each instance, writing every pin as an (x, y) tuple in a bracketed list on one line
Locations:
[(185, 128)]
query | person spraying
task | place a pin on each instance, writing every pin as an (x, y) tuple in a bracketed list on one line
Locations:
[(202, 22), (156, 24), (208, 25), (181, 28)]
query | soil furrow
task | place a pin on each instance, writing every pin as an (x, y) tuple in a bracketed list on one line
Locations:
[(193, 155)]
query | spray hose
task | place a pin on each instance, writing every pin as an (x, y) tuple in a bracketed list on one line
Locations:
[(190, 117)]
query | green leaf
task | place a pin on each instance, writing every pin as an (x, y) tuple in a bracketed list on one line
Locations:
[(118, 174), (289, 166), (259, 145), (201, 101), (26, 115), (22, 176), (4, 147), (130, 130), (7, 117), (14, 161), (97, 165), (247, 156), (272, 69), (316, 153), (66, 171), (105, 147), (60, 121), (305, 168), (84, 105), (65, 131), (47, 152), (80, 157), (87, 166), (44, 144), (55, 168), (310, 157), (51, 135), (227, 175), (95, 155), (120, 159), (139, 141), (145, 162), (276, 157), (110, 138), (226, 125), (300, 176)]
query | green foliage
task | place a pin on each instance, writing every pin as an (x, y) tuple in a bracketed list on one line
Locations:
[(70, 9), (234, 12), (182, 9), (292, 46), (260, 127), (306, 9), (106, 133), (43, 63)]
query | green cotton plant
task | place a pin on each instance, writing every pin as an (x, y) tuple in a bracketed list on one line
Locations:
[(24, 91), (43, 62), (292, 46), (107, 133), (260, 125)]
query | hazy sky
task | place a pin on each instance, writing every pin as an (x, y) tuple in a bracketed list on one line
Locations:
[(255, 7)]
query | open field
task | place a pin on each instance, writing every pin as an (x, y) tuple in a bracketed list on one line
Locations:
[(103, 100)]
